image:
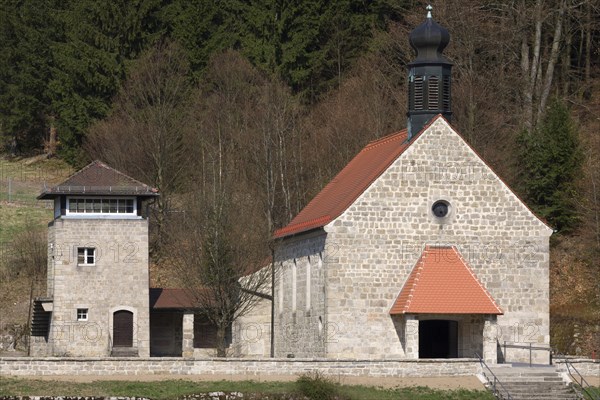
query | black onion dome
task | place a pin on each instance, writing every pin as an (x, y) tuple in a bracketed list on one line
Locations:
[(429, 41)]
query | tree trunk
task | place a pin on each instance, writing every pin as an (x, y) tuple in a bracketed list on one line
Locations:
[(551, 62), (52, 139), (527, 90), (531, 69), (588, 40), (566, 62), (221, 344)]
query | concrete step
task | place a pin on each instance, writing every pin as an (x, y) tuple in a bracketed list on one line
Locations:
[(124, 352), (535, 383)]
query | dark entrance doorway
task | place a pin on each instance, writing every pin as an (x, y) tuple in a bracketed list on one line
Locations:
[(166, 333), (123, 329), (438, 339)]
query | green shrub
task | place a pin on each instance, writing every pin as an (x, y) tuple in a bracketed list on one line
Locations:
[(315, 386)]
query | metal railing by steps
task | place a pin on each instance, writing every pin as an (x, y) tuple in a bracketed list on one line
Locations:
[(498, 390), (541, 381), (583, 389)]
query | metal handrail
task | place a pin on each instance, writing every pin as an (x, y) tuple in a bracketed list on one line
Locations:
[(529, 347), (582, 384), (495, 390)]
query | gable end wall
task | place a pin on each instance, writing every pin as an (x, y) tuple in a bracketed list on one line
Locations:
[(381, 236)]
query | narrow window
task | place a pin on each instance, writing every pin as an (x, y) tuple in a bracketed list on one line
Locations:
[(89, 206), (446, 93), (113, 206), (281, 287), (129, 206), (308, 284), (82, 314), (419, 101), (80, 206), (411, 94), (86, 256), (73, 206), (433, 87), (97, 206), (105, 206), (294, 288)]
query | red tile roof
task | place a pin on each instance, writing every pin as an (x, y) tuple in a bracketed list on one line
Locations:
[(98, 178), (442, 283), (356, 177), (350, 183)]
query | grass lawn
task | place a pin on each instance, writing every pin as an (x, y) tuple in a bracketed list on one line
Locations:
[(20, 183), (176, 388)]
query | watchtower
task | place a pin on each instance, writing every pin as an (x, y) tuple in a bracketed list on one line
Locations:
[(97, 300)]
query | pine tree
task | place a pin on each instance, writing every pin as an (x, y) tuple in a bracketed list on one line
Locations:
[(550, 163), (26, 30), (89, 61)]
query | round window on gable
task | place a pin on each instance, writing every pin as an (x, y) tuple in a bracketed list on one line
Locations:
[(440, 208)]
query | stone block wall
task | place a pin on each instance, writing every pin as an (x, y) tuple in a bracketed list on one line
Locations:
[(251, 333), (118, 280), (589, 368), (302, 329), (22, 366)]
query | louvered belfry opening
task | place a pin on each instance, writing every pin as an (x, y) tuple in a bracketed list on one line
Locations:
[(429, 76)]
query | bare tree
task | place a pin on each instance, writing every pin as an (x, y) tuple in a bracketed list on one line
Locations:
[(148, 133), (28, 258), (218, 262)]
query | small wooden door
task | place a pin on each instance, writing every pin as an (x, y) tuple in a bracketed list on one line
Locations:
[(123, 329)]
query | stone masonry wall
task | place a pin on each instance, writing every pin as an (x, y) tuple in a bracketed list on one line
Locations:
[(252, 332), (21, 366), (118, 280), (381, 236), (300, 317)]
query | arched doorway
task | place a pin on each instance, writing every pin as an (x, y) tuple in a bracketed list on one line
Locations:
[(123, 328), (438, 339)]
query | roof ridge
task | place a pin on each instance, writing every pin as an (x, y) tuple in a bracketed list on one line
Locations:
[(466, 265), (105, 165), (416, 272), (383, 140), (291, 227), (78, 172)]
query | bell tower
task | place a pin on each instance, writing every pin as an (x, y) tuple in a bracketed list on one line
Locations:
[(429, 77)]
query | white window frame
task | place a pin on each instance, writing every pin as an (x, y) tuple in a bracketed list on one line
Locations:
[(82, 314), (86, 255), (117, 214)]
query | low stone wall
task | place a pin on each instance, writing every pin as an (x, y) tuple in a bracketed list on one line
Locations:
[(25, 366), (585, 366)]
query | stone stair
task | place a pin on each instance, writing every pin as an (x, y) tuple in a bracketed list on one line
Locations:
[(534, 383), (124, 352), (40, 320)]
